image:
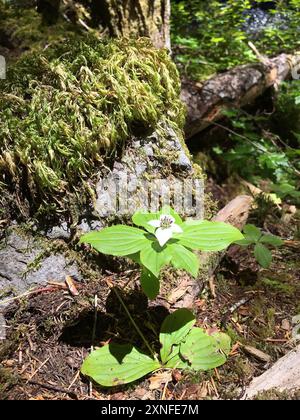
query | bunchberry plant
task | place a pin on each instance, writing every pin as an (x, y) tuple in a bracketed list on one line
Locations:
[(253, 237), (183, 346), (162, 239)]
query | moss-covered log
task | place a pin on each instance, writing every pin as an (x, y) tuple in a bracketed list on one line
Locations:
[(67, 112)]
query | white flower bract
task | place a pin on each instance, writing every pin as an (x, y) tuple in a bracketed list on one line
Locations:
[(166, 227)]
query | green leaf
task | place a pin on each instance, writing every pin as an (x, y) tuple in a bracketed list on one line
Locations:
[(173, 330), (117, 240), (216, 40), (149, 283), (142, 219), (230, 113), (175, 361), (263, 255), (222, 342), (271, 240), (184, 259), (245, 242), (208, 236), (117, 364), (153, 257), (202, 351), (252, 233), (135, 258)]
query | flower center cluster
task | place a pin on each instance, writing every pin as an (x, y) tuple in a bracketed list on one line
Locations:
[(166, 222)]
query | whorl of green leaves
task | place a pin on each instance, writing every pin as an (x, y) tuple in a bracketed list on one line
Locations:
[(64, 109)]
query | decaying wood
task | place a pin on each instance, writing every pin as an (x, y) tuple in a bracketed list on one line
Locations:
[(284, 375), (137, 18), (258, 354), (236, 88), (184, 296), (236, 211)]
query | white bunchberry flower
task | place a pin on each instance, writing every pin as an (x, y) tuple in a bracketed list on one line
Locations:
[(166, 226)]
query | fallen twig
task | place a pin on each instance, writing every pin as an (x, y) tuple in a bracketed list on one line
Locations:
[(33, 292), (39, 368), (212, 286), (234, 308), (54, 388)]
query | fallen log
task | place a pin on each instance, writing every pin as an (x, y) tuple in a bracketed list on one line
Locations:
[(236, 88), (284, 375)]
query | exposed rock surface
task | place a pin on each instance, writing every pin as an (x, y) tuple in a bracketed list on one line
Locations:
[(24, 264), (259, 20), (152, 163), (59, 232), (23, 260)]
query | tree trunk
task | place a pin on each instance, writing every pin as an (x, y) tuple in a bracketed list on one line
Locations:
[(149, 18), (238, 87), (49, 10)]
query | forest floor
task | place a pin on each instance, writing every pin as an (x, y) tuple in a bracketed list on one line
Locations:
[(51, 331)]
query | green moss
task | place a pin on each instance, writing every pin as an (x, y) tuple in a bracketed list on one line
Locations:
[(7, 380), (278, 286), (235, 337), (65, 110), (275, 394)]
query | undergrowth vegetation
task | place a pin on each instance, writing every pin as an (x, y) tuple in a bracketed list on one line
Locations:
[(269, 143), (165, 239), (210, 37), (213, 36), (68, 107)]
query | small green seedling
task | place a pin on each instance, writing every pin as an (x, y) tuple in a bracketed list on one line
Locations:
[(183, 346), (162, 238), (254, 236), (286, 190)]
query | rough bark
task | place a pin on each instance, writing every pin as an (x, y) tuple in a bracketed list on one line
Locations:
[(187, 292), (128, 18), (236, 88)]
